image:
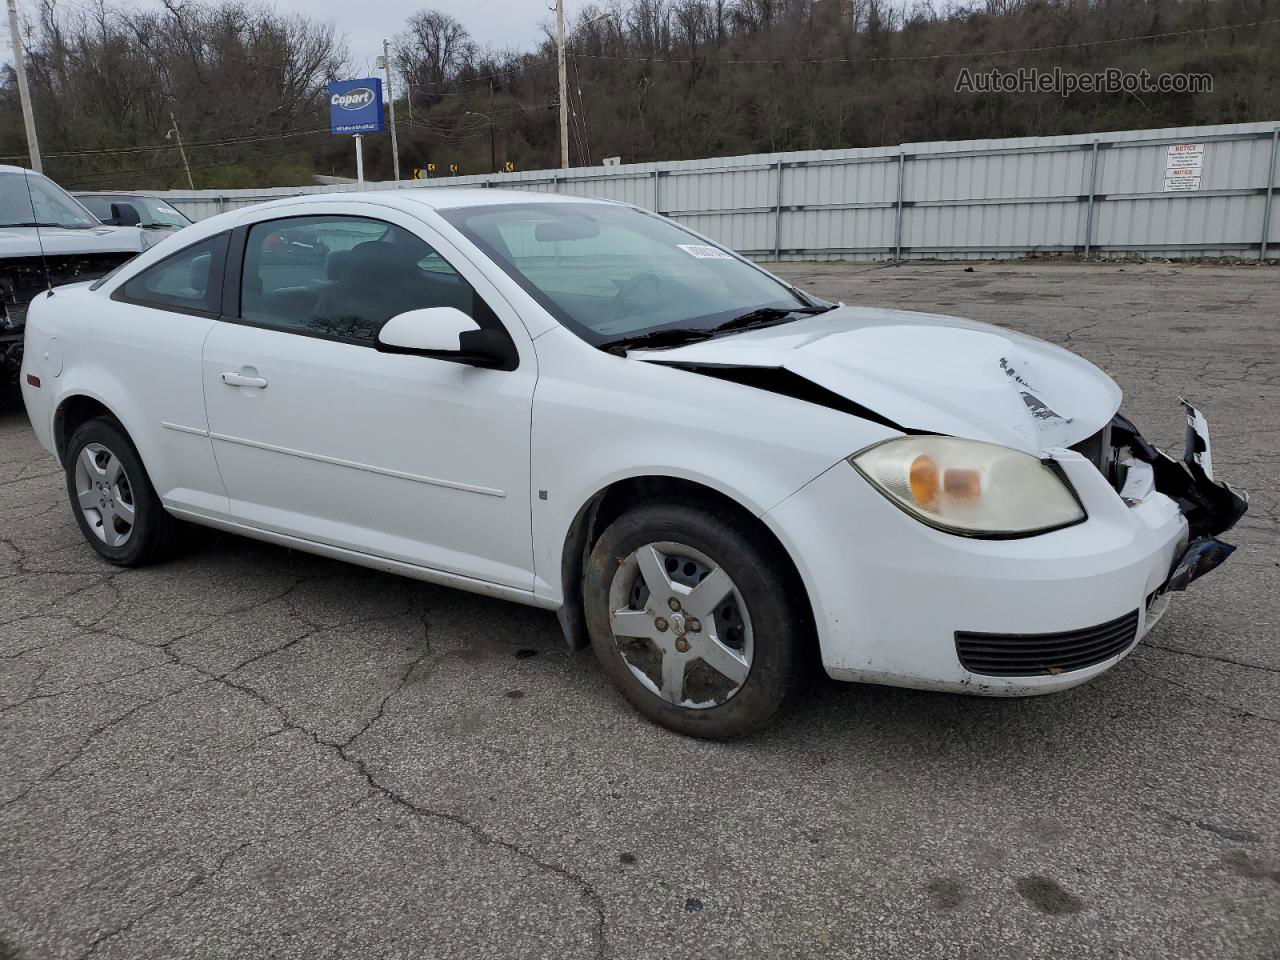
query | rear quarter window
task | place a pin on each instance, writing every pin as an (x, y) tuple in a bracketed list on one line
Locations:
[(189, 281)]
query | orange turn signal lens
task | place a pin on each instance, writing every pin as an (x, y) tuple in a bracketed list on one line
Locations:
[(924, 479)]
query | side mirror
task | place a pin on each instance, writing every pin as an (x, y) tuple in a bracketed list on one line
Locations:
[(125, 215), (446, 333)]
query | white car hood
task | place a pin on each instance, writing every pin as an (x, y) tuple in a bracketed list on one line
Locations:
[(59, 241), (928, 373)]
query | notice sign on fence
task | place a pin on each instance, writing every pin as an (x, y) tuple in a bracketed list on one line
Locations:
[(1183, 165)]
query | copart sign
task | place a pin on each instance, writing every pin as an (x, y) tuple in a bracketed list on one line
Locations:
[(355, 106)]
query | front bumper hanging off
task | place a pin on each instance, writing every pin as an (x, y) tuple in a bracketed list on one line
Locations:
[(1210, 506)]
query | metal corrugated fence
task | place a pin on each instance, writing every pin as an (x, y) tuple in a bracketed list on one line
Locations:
[(1093, 194)]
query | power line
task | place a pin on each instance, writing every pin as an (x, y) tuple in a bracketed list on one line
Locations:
[(235, 141), (209, 165)]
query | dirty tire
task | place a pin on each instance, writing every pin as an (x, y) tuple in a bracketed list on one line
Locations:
[(766, 583), (154, 532)]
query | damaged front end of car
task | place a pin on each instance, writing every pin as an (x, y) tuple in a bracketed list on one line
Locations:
[(1211, 507)]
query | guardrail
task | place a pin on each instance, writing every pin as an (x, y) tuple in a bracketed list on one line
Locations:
[(1103, 194)]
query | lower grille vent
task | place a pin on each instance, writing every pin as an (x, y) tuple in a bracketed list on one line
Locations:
[(1044, 654)]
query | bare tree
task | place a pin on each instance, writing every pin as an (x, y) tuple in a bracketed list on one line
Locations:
[(433, 49)]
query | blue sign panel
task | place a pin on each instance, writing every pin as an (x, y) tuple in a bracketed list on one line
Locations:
[(355, 106)]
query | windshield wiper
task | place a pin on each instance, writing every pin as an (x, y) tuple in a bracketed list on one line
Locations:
[(33, 223), (656, 338), (766, 317), (761, 317)]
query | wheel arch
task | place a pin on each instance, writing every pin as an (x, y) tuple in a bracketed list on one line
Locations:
[(615, 498), (74, 409)]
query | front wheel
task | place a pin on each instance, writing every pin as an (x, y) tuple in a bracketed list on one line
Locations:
[(695, 620), (116, 507)]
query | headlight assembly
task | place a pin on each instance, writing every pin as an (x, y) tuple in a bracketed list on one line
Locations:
[(968, 487)]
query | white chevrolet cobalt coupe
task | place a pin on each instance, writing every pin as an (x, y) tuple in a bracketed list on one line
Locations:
[(714, 477)]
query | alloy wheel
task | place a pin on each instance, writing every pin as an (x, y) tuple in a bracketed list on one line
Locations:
[(681, 625), (105, 495)]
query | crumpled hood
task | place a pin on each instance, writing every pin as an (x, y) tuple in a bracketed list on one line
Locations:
[(928, 373), (59, 241)]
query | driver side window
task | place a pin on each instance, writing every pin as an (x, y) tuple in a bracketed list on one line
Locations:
[(342, 278)]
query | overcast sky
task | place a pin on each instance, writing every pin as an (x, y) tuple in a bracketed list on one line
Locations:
[(497, 23)]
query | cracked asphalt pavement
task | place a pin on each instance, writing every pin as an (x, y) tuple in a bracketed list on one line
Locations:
[(250, 752)]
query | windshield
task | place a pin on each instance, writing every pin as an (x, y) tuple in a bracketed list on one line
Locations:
[(611, 273), (152, 211), (47, 204)]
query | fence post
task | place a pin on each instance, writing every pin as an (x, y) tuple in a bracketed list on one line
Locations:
[(897, 226), (1271, 184), (657, 194), (777, 219), (1088, 216)]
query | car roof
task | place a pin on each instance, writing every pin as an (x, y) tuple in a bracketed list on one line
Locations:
[(435, 198)]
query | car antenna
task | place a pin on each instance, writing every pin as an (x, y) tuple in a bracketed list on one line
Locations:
[(35, 220)]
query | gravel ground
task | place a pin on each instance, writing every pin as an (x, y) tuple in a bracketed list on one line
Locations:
[(252, 752)]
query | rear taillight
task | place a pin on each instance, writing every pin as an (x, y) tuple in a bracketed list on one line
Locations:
[(33, 380)]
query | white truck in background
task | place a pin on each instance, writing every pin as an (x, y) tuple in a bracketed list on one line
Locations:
[(48, 238)]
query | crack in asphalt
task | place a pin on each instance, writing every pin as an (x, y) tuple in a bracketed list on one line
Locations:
[(87, 685), (1136, 661), (204, 876), (1209, 656), (93, 735), (340, 748)]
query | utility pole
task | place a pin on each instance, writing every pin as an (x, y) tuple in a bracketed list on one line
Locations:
[(181, 149), (24, 92), (493, 154), (391, 99), (564, 84)]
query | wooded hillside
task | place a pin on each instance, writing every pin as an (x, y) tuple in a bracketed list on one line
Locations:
[(649, 80)]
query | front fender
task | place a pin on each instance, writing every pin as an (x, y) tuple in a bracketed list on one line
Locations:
[(599, 419)]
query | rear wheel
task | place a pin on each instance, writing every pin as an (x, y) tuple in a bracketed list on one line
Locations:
[(698, 625), (115, 505)]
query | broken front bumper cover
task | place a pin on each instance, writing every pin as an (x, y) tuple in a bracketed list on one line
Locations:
[(1210, 506)]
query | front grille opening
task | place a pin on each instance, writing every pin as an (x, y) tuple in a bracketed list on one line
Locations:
[(1045, 654), (1097, 449)]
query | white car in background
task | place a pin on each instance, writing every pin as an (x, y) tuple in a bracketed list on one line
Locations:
[(712, 476)]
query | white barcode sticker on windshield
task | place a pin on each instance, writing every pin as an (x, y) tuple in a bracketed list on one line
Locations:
[(703, 252)]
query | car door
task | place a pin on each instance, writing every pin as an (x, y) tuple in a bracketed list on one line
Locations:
[(319, 435)]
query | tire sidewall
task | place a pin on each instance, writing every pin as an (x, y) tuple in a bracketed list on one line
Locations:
[(763, 586)]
